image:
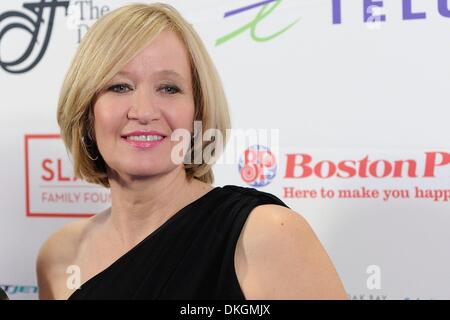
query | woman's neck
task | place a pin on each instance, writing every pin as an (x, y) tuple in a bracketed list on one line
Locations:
[(140, 206)]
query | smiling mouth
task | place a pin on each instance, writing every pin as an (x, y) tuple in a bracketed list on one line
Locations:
[(144, 141), (144, 138)]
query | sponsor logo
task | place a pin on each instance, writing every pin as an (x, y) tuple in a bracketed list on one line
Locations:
[(51, 188), (373, 10), (266, 8), (302, 165), (36, 21), (12, 289), (257, 166)]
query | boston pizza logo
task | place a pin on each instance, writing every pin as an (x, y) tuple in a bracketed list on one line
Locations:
[(37, 23), (257, 166)]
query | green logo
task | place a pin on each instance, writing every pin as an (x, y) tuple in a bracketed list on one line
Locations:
[(267, 8)]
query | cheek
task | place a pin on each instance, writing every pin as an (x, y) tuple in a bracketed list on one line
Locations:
[(180, 117), (107, 122)]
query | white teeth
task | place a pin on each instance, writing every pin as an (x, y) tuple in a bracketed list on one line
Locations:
[(144, 138)]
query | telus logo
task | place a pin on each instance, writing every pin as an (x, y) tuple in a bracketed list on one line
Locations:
[(267, 7), (369, 12)]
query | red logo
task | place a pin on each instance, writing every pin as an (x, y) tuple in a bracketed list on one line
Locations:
[(51, 189), (301, 165)]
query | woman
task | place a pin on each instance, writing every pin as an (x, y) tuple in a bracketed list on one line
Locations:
[(140, 74)]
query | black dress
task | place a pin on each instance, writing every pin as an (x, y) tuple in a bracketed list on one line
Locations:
[(190, 256)]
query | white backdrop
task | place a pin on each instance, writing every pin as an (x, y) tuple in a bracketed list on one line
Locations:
[(337, 88)]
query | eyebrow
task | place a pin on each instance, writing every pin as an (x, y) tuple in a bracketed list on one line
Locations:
[(168, 72)]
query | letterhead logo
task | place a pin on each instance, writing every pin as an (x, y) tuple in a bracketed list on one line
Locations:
[(36, 21), (267, 7), (257, 166)]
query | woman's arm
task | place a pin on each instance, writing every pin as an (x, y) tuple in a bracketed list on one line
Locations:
[(55, 255), (42, 271), (278, 256)]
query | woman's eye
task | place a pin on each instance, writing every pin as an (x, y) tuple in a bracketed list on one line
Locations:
[(119, 88), (170, 89)]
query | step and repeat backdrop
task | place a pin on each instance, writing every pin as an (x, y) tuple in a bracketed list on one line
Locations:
[(352, 98)]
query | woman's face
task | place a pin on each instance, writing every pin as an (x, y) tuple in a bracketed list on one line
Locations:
[(151, 96)]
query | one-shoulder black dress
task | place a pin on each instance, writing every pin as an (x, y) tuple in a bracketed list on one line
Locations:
[(190, 256)]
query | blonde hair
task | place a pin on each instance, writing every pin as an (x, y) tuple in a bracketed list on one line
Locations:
[(109, 45)]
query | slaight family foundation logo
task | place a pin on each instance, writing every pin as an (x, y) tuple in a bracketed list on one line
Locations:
[(51, 189)]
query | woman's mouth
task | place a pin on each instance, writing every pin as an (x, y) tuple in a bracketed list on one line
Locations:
[(144, 141)]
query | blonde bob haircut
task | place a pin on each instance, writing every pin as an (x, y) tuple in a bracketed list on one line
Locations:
[(108, 46)]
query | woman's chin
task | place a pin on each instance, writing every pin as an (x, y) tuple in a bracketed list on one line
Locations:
[(143, 173), (139, 171)]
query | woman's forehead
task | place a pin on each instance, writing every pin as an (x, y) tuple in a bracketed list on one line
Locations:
[(165, 55)]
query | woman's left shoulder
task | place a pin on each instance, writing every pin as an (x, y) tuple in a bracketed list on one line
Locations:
[(281, 228), (284, 259)]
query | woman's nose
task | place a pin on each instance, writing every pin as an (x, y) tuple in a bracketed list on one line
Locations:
[(144, 108)]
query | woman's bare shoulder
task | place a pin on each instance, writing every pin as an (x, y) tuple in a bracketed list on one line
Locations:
[(61, 243), (278, 256), (60, 251)]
